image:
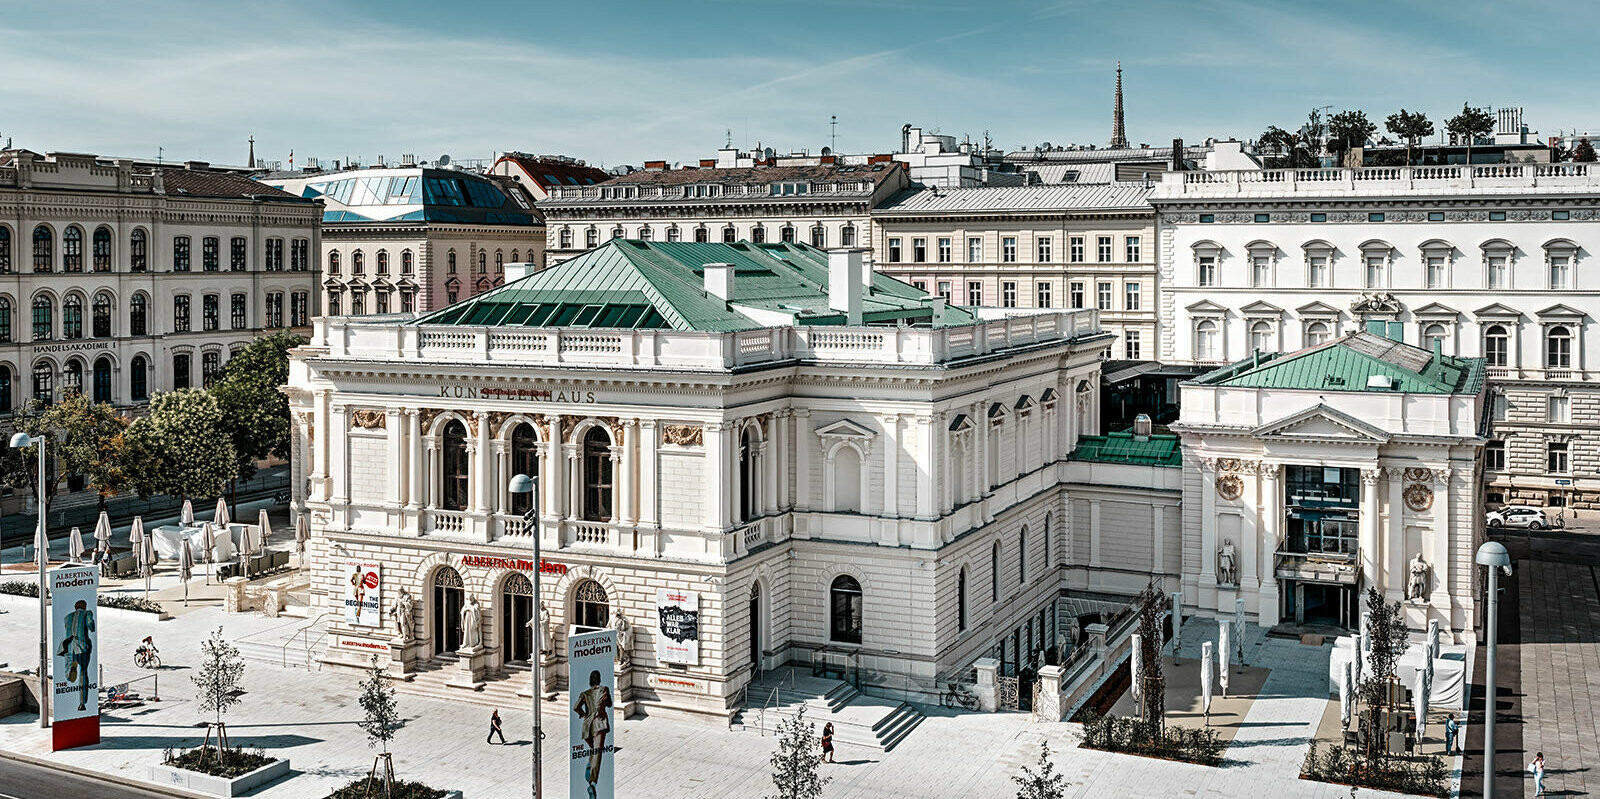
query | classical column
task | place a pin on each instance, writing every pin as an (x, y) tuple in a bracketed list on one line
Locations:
[(483, 470), (416, 467), (430, 471), (1442, 479), (340, 472), (648, 481), (781, 452), (1208, 524), (1094, 533), (474, 475), (1394, 564), (574, 480), (501, 488), (619, 484), (926, 460), (628, 465), (770, 457), (947, 468), (891, 466), (552, 471), (393, 427), (1271, 533), (805, 444), (716, 476), (732, 449), (1369, 527), (324, 433)]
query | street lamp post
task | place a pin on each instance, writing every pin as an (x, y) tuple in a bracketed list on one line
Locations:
[(1492, 554), (42, 548), (523, 484)]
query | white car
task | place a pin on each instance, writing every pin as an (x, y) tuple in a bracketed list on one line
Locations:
[(1518, 516)]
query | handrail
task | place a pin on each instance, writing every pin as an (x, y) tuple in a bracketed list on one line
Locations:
[(774, 699), (300, 633)]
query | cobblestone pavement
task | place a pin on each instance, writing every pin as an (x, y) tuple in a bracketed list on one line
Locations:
[(310, 717)]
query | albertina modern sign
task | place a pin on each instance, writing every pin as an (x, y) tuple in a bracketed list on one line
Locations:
[(75, 660), (592, 686)]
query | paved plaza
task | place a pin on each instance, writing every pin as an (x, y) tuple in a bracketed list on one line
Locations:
[(310, 717)]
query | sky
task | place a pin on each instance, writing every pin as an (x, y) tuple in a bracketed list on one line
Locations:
[(624, 81)]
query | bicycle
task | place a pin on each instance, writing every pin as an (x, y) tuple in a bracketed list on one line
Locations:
[(146, 659), (958, 697)]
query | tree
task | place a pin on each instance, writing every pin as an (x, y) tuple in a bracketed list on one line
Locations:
[(221, 669), (1410, 126), (86, 438), (255, 411), (1386, 641), (1349, 129), (1280, 143), (794, 765), (382, 720), (1153, 691), (1043, 783), (1584, 152), (181, 449), (1469, 125), (1312, 135)]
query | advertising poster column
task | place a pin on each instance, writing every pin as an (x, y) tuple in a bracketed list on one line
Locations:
[(592, 686), (75, 659)]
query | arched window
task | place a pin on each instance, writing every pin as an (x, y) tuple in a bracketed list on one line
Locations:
[(102, 380), (847, 236), (72, 317), (590, 608), (645, 234), (758, 234), (453, 493), (516, 256), (102, 315), (591, 238), (138, 314), (729, 235), (5, 250), (1496, 345), (1317, 333), (1558, 348), (673, 234), (483, 262), (5, 389), (1022, 556), (994, 572), (73, 378), (1261, 336), (1205, 341), (1433, 337), (844, 603), (182, 370), (358, 263), (961, 600), (516, 613), (748, 476), (524, 460), (597, 468), (72, 249), (102, 249), (138, 385), (383, 262), (138, 251), (847, 480), (333, 262), (43, 318), (5, 319), (617, 232), (43, 249), (44, 380), (408, 263), (499, 262), (210, 365)]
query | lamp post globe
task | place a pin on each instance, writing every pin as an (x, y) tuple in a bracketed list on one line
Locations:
[(1492, 554), (20, 440), (523, 484)]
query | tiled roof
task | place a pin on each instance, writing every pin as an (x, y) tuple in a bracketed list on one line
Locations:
[(650, 284), (1153, 450), (1068, 197), (1347, 364), (201, 183), (549, 172), (824, 173)]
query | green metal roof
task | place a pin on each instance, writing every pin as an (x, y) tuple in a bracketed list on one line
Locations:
[(1154, 450), (1347, 364), (657, 284)]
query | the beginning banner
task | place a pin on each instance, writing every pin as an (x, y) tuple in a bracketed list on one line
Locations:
[(75, 659), (592, 684)]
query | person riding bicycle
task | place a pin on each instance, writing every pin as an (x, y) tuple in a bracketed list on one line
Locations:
[(147, 646)]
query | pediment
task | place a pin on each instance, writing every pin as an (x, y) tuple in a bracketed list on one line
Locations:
[(1206, 308), (1436, 309), (1323, 424), (1318, 308), (1262, 308), (844, 428), (1498, 311), (961, 423), (1561, 311)]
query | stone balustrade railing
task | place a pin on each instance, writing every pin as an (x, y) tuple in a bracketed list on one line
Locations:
[(1491, 178)]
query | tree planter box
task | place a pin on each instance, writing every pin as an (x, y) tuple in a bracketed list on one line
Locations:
[(219, 786)]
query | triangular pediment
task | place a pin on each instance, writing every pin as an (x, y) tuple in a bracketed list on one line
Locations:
[(1498, 311), (961, 423), (1323, 424), (1262, 308), (1436, 309), (1318, 308), (844, 428), (1206, 307), (1561, 311)]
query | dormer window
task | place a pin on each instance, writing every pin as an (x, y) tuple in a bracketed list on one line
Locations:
[(789, 189)]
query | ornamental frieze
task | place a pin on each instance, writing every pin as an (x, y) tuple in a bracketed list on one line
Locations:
[(683, 435), (1418, 497), (367, 419)]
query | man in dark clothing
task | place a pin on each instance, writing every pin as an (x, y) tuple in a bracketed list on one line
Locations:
[(494, 728)]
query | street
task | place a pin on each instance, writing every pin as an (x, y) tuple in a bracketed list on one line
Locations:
[(19, 780)]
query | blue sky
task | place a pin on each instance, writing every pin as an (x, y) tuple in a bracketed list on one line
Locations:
[(622, 82)]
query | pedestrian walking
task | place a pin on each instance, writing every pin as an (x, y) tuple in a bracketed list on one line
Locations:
[(827, 742), (494, 727), (1537, 767), (1451, 727)]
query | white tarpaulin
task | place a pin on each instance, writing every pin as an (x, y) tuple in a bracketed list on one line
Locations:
[(1449, 669)]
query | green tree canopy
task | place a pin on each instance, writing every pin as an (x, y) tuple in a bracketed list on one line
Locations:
[(182, 448), (1468, 125), (1348, 129), (1584, 152), (1411, 126), (255, 412)]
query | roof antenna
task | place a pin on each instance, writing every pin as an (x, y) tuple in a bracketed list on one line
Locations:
[(833, 133)]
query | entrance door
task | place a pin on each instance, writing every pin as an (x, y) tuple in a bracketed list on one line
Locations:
[(755, 626), (448, 597), (516, 611)]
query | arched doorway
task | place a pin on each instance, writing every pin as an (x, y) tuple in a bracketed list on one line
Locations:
[(448, 596), (591, 609), (516, 611), (102, 380), (755, 626)]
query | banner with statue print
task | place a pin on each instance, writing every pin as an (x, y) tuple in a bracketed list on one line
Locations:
[(678, 630), (363, 594), (592, 689), (74, 656)]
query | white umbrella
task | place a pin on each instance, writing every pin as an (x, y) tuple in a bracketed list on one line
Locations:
[(185, 568), (186, 517), (1360, 656), (1205, 680), (147, 556), (1238, 628), (1177, 624), (1433, 640), (1346, 695), (1136, 669), (1420, 701), (220, 518), (302, 535), (264, 534), (102, 532), (1222, 653), (75, 545), (208, 543)]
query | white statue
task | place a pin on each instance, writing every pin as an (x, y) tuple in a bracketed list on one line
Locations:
[(471, 625), (624, 630), (1417, 588), (547, 641), (1072, 632), (1226, 572), (403, 610)]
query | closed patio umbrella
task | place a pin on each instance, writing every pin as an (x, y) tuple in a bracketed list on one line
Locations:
[(1177, 624), (186, 518), (1136, 670), (75, 546), (264, 534), (1238, 629), (147, 555), (220, 518), (1433, 640), (1360, 655), (1346, 694), (1205, 680), (208, 545), (1420, 701), (1222, 653), (185, 568), (302, 535)]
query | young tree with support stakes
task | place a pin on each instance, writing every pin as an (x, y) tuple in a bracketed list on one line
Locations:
[(1412, 126), (1469, 125), (221, 669), (1386, 639), (1153, 690), (1041, 782), (381, 722), (795, 764)]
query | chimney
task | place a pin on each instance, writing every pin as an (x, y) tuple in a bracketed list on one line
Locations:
[(719, 280), (866, 272), (1177, 156), (1141, 427), (844, 283), (936, 302), (655, 166), (196, 166)]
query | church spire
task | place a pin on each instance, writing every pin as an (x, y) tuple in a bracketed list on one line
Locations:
[(252, 162), (1119, 133)]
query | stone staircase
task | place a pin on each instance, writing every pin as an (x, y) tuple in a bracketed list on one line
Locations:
[(297, 643), (858, 719)]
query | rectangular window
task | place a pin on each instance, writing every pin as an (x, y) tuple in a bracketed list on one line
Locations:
[(974, 250), (274, 255), (180, 313), (1044, 250), (1319, 271), (180, 253), (1075, 249), (1260, 271), (1375, 272), (1103, 293), (1498, 406), (274, 316), (1377, 217), (1559, 273), (944, 290), (1008, 294), (180, 370), (1008, 249), (1130, 345), (921, 285), (1131, 297), (1206, 219), (1263, 217), (210, 254), (1556, 457), (1103, 249), (300, 309), (1319, 217), (944, 250), (1561, 216), (1558, 410), (1075, 295), (1497, 272), (383, 301), (919, 250), (974, 292), (210, 312), (1435, 216), (1436, 272), (1494, 456), (894, 250), (1042, 291), (236, 309), (300, 255), (1208, 271), (1497, 216), (1132, 247), (237, 254)]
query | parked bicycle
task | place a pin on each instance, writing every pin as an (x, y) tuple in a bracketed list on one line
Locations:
[(959, 697)]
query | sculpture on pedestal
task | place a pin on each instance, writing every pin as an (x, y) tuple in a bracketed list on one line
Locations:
[(1073, 633), (1417, 587), (624, 629), (547, 630), (1227, 572), (471, 625), (403, 610)]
